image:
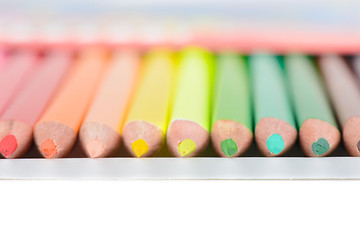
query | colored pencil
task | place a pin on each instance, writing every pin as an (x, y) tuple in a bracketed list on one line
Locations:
[(356, 65), (100, 133), (188, 132), (18, 120), (344, 91), (3, 58), (319, 134), (15, 75), (146, 123), (55, 133), (275, 129), (232, 127)]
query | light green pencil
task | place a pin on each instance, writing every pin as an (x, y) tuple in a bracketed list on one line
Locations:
[(188, 132), (231, 132), (319, 134), (275, 129)]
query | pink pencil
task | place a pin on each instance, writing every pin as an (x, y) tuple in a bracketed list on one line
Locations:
[(17, 121), (3, 57), (15, 75)]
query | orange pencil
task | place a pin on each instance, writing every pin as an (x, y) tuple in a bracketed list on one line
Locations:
[(18, 120), (55, 133), (15, 75), (100, 132)]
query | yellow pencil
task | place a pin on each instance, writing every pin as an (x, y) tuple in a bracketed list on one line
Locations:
[(146, 123)]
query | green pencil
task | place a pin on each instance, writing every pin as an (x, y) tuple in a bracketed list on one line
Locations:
[(231, 132), (275, 130), (188, 132), (319, 134)]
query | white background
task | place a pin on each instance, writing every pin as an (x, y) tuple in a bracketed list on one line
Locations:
[(179, 210)]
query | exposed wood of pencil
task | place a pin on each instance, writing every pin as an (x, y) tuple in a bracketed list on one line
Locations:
[(20, 132), (62, 137), (268, 126), (151, 134), (180, 130), (98, 139), (344, 91), (228, 129), (312, 130), (101, 129)]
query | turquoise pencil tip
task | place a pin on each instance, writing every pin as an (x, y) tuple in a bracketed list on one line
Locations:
[(275, 143)]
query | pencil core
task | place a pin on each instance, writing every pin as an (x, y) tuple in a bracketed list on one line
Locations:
[(8, 145), (48, 148), (320, 147), (186, 147), (95, 148), (139, 147), (229, 147), (275, 143)]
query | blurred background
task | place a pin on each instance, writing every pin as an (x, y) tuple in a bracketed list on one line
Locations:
[(277, 25)]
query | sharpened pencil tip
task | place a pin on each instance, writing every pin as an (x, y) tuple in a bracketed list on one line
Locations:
[(139, 147), (275, 143), (95, 149), (8, 145), (229, 147), (320, 147), (186, 147), (48, 148)]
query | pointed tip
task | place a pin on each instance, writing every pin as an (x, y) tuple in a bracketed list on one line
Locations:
[(229, 147), (8, 145), (320, 147), (275, 143), (48, 148), (94, 149), (139, 147), (186, 147)]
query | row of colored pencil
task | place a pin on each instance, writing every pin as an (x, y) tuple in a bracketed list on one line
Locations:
[(182, 98)]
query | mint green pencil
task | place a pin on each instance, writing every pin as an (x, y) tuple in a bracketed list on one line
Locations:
[(275, 129)]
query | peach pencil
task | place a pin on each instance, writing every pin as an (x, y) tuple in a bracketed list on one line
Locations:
[(100, 133), (56, 131), (18, 120)]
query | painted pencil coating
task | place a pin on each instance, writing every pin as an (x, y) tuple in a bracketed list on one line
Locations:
[(232, 115), (15, 75)]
